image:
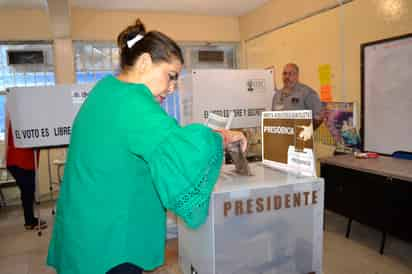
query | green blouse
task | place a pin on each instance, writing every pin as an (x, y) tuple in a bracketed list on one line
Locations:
[(128, 161)]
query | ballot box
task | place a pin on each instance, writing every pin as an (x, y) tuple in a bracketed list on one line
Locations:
[(268, 223)]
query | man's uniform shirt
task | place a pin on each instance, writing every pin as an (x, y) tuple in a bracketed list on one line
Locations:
[(301, 97)]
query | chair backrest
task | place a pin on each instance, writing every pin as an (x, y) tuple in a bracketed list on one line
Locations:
[(402, 155)]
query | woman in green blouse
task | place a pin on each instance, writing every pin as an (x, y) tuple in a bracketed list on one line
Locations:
[(128, 161)]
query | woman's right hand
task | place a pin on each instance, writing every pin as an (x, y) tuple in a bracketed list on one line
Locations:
[(230, 136)]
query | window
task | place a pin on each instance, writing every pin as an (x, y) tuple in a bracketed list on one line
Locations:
[(25, 73), (94, 60)]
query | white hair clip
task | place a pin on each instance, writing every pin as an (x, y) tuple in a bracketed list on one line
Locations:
[(134, 40)]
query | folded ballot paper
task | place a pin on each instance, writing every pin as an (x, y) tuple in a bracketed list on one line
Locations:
[(234, 149), (215, 121)]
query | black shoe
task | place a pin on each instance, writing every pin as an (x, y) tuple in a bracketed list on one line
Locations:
[(35, 225)]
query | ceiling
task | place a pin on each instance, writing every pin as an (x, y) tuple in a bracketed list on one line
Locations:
[(209, 7)]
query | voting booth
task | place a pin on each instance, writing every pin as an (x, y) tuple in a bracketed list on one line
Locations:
[(246, 92), (42, 117), (268, 223), (243, 93)]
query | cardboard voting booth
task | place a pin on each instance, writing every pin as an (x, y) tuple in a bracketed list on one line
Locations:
[(269, 223), (43, 116), (247, 93)]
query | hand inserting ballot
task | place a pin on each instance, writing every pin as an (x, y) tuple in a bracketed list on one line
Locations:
[(230, 136)]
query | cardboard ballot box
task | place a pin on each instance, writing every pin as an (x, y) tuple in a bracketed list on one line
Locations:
[(269, 223)]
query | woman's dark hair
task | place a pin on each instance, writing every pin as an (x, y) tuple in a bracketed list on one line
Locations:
[(160, 47)]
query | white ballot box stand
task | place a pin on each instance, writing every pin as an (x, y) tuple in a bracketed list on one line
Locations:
[(269, 223)]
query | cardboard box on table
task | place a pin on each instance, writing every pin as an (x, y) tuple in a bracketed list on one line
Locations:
[(269, 223)]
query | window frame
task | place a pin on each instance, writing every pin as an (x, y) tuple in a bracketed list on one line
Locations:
[(44, 69), (8, 73), (113, 69)]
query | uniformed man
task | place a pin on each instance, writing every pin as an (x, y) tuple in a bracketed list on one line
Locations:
[(297, 96)]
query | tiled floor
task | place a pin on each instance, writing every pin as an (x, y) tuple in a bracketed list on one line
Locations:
[(23, 252)]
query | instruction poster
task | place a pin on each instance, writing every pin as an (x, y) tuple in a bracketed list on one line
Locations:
[(325, 78)]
